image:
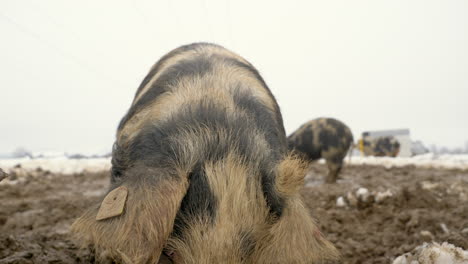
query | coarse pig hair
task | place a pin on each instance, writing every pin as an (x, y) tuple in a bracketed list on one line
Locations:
[(203, 154)]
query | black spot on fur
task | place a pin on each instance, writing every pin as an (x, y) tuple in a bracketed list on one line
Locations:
[(339, 127), (119, 163), (328, 139), (313, 152), (198, 203), (256, 74), (199, 198), (197, 66), (304, 143), (158, 65), (265, 120), (274, 201)]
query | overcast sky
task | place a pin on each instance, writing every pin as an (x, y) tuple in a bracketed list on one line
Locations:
[(69, 69)]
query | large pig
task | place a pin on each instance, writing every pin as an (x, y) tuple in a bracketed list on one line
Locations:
[(201, 171), (382, 146), (326, 138)]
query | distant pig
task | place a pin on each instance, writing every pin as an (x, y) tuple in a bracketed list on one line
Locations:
[(326, 138), (3, 175), (381, 147)]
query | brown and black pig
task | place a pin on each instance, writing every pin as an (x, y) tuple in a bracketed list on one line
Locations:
[(387, 146), (326, 138), (201, 171)]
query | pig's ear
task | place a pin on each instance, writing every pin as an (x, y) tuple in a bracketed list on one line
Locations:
[(134, 221), (295, 238), (294, 232), (290, 174)]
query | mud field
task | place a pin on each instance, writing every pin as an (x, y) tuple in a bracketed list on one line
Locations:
[(414, 205)]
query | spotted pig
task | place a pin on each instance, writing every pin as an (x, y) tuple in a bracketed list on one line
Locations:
[(387, 146), (326, 138), (201, 171)]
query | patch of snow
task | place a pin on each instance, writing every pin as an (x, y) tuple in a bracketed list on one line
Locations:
[(429, 160), (427, 185), (59, 164), (363, 194), (340, 202), (434, 253), (381, 196)]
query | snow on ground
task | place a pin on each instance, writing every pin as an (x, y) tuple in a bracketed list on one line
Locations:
[(434, 253), (59, 165), (362, 196), (427, 161), (64, 165)]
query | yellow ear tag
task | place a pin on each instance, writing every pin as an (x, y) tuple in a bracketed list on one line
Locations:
[(113, 204)]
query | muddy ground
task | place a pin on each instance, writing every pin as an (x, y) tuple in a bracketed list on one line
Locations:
[(427, 204)]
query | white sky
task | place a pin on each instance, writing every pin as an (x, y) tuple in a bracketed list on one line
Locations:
[(69, 69)]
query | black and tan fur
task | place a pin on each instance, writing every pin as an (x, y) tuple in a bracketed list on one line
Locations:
[(326, 138), (203, 153), (386, 146)]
